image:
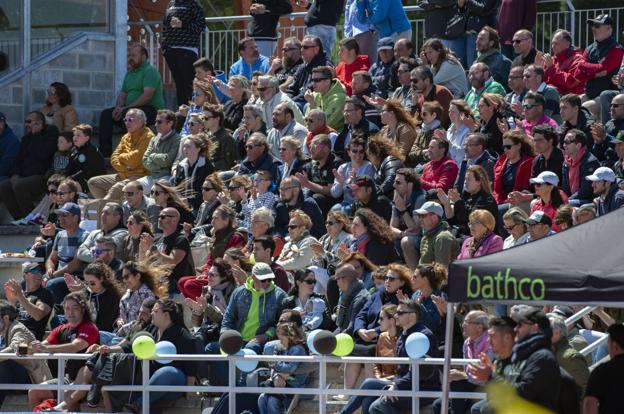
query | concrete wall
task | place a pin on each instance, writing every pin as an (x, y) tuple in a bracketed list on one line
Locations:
[(89, 72)]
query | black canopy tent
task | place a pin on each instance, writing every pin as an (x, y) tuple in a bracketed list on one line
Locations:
[(582, 265)]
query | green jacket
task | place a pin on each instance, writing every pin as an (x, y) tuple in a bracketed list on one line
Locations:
[(224, 157), (573, 362), (332, 103), (160, 154), (438, 245), (473, 97)]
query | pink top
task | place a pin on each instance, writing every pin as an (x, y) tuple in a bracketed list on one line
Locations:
[(491, 244), (528, 127)]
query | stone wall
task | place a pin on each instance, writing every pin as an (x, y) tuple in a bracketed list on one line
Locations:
[(88, 71)]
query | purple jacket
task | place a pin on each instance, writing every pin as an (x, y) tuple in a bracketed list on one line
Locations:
[(491, 244)]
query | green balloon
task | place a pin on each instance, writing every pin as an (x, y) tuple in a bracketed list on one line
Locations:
[(344, 345), (144, 347)]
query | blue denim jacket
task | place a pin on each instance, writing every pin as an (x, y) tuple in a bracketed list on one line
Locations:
[(298, 377)]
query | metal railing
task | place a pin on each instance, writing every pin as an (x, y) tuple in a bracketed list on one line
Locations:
[(322, 390), (220, 45)]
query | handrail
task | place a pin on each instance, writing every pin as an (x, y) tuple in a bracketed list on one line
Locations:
[(594, 345), (578, 315), (322, 391)]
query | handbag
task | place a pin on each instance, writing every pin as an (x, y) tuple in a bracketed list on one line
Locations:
[(456, 26)]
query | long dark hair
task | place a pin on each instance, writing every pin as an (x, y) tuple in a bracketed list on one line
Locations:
[(174, 309), (555, 197), (299, 276), (104, 274), (376, 227), (62, 91), (152, 274), (225, 270), (435, 273)]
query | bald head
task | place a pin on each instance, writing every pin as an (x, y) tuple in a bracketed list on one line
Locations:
[(168, 220)]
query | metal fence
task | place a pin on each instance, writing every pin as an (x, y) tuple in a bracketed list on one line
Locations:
[(220, 45), (322, 390)]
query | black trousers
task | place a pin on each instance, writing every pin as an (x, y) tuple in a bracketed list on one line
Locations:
[(180, 62), (107, 124)]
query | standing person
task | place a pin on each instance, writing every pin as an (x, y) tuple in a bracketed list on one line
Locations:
[(387, 16), (322, 18), (488, 48), (514, 15), (265, 15), (363, 32), (181, 34)]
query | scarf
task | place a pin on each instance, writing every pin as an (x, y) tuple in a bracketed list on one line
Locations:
[(575, 170), (435, 124), (475, 244), (218, 296), (359, 244)]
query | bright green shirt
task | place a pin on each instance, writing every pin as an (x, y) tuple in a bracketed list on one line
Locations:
[(137, 79)]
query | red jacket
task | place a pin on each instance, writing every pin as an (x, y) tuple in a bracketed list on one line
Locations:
[(565, 74), (521, 183), (344, 71), (440, 174)]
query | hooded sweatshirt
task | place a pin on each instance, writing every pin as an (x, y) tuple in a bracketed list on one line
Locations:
[(258, 301)]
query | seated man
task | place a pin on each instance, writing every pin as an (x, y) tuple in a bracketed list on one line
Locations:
[(441, 171), (27, 174), (328, 95), (362, 87), (104, 250), (561, 70), (437, 243), (111, 225), (259, 158), (605, 186), (161, 150), (355, 121), (365, 196), (481, 81), (250, 59), (316, 120), (523, 46), (252, 123), (264, 251), (539, 225), (142, 89), (579, 163), (34, 303), (136, 200), (352, 299), (424, 89), (381, 71), (292, 198), (403, 91), (534, 113), (488, 48), (271, 97), (284, 124), (15, 335), (127, 159), (534, 82)]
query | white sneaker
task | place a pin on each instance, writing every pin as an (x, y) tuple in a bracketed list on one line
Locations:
[(340, 397)]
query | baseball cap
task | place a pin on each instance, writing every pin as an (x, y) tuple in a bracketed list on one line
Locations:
[(539, 217), (385, 43), (69, 208), (364, 181), (262, 271), (32, 267), (601, 19), (602, 174), (529, 314), (546, 177), (587, 207), (431, 207)]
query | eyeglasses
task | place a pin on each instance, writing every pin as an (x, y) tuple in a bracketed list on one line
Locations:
[(399, 313), (262, 89), (289, 49), (309, 281), (164, 216), (128, 193), (390, 278), (307, 46), (318, 79), (473, 223), (516, 41), (207, 188), (127, 120), (568, 141), (156, 192), (510, 228), (330, 223), (293, 226), (100, 251), (53, 191), (60, 193), (252, 146), (529, 106)]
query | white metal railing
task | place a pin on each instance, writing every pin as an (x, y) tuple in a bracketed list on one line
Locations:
[(220, 45), (322, 391)]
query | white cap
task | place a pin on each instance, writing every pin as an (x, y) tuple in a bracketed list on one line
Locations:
[(546, 177), (431, 207), (262, 271), (602, 174)]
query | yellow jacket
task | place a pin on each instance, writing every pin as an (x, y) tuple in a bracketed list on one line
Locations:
[(127, 159)]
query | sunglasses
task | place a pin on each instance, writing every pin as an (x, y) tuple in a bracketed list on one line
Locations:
[(262, 89), (252, 146), (568, 142), (507, 146), (293, 226), (516, 41), (284, 49), (52, 191), (390, 278), (164, 216), (126, 120), (234, 188), (361, 151), (529, 106), (330, 223), (61, 193), (156, 192), (100, 251), (510, 228), (128, 193), (207, 188), (306, 47), (309, 281), (403, 312)]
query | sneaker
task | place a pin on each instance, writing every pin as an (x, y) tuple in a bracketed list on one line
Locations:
[(93, 397), (340, 397)]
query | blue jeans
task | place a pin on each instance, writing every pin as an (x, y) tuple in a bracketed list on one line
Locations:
[(481, 407), (165, 376), (266, 47), (464, 48), (219, 369), (273, 403), (458, 405), (58, 288), (384, 406), (109, 338), (327, 34), (358, 401)]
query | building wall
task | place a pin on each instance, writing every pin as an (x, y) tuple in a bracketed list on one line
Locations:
[(88, 71)]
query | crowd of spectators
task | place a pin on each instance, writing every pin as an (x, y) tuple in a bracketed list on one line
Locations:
[(302, 194)]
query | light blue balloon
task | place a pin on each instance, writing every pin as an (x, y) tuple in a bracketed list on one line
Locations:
[(417, 345), (310, 341), (246, 365), (165, 348)]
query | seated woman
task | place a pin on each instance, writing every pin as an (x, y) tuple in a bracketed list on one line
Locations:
[(202, 94), (143, 281), (138, 223), (430, 114), (515, 223), (210, 190), (165, 195), (261, 195), (373, 238), (383, 373), (58, 109), (477, 195), (447, 69), (103, 292), (512, 170), (490, 106), (325, 251), (291, 154), (427, 282), (462, 120), (241, 266), (400, 128), (75, 336), (549, 196), (387, 159), (397, 284), (238, 89), (191, 172), (311, 306), (297, 253), (168, 317), (263, 224), (483, 241), (225, 236), (348, 171), (284, 373)]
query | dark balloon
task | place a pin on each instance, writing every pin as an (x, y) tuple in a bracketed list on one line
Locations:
[(231, 342), (324, 343)]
